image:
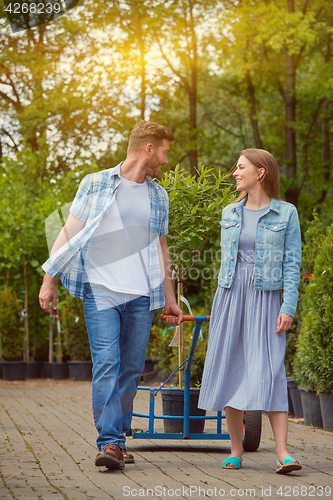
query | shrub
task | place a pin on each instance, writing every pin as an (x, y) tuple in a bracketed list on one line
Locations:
[(74, 329), (11, 329), (196, 205), (313, 239), (158, 348), (313, 363)]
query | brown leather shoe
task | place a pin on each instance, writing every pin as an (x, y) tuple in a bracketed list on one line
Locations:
[(111, 457), (127, 457)]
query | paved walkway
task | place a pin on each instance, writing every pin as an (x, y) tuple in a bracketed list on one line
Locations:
[(47, 451)]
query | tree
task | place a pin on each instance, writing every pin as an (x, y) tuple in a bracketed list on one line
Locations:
[(313, 362), (27, 203), (194, 203), (178, 32), (271, 50), (21, 222), (56, 86)]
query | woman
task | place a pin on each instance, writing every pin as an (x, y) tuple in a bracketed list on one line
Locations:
[(261, 256)]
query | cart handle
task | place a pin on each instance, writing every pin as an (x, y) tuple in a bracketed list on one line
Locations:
[(186, 317)]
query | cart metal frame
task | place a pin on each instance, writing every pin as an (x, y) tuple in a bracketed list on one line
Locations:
[(186, 434)]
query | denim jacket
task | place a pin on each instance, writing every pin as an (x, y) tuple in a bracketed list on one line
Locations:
[(278, 250)]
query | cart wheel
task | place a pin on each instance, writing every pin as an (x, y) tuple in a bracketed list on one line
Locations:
[(251, 430)]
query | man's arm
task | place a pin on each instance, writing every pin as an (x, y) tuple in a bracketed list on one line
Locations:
[(171, 307), (48, 291)]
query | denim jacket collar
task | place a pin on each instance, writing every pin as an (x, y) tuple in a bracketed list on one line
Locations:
[(274, 205)]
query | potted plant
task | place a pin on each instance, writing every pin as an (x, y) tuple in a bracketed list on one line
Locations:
[(11, 337), (173, 404), (152, 372), (314, 355), (196, 203), (173, 397), (313, 239), (76, 339), (58, 369)]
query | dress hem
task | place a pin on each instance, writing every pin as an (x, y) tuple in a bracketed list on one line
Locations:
[(241, 409)]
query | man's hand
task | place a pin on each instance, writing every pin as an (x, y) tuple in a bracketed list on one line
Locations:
[(48, 293), (283, 322), (174, 310)]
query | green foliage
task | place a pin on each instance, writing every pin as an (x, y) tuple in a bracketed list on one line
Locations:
[(74, 329), (31, 194), (158, 348), (56, 84), (313, 363), (214, 72), (11, 330), (313, 239), (196, 205)]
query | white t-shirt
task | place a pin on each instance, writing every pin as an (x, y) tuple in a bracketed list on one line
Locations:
[(119, 253)]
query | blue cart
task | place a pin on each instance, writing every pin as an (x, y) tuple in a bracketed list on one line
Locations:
[(252, 419)]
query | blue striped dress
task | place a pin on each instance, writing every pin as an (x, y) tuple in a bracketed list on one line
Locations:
[(244, 366)]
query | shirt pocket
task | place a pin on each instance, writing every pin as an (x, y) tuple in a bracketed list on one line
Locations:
[(275, 232), (227, 230)]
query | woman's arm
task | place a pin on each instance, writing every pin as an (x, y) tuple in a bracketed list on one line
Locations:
[(291, 264)]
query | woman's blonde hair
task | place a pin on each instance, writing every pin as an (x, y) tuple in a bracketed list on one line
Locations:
[(271, 179)]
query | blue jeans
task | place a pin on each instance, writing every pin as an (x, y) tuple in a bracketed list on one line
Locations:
[(118, 328)]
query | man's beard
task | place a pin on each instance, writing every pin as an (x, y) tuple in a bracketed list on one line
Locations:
[(153, 167)]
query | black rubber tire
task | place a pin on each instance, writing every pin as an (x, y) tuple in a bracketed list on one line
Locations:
[(252, 433)]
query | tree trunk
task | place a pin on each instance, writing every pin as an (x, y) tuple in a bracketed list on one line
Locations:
[(25, 310), (253, 110), (180, 328), (25, 317), (142, 69), (292, 192), (326, 152), (33, 357), (51, 338), (193, 152), (58, 338)]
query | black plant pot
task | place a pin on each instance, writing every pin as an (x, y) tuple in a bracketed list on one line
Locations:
[(57, 371), (295, 397), (290, 383), (311, 409), (1, 376), (80, 370), (47, 369), (14, 370), (326, 405), (34, 369), (173, 404), (151, 371), (60, 371)]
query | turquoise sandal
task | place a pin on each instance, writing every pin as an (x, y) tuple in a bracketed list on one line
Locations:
[(287, 465), (237, 464)]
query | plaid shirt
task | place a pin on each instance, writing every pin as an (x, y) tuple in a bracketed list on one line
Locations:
[(93, 200)]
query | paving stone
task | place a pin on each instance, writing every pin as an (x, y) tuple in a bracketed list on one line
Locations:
[(49, 449)]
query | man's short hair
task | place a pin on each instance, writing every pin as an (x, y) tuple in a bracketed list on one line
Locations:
[(145, 132)]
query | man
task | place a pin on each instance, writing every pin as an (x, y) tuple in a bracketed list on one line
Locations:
[(110, 254)]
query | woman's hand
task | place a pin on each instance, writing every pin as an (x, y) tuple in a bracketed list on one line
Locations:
[(283, 322)]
